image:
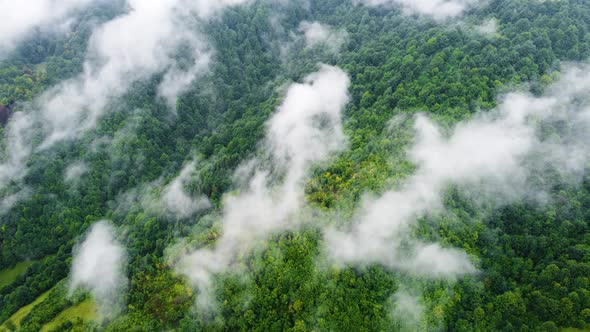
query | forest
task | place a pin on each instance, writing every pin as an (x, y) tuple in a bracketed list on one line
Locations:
[(282, 165)]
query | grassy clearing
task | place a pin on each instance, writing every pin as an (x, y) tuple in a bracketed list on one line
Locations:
[(9, 275), (18, 316), (85, 310)]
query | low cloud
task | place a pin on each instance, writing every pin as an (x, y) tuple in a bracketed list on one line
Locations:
[(489, 27), (437, 9), (17, 151), (75, 172), (9, 201), (171, 200), (98, 266), (316, 33), (19, 18), (18, 148), (306, 130), (492, 156), (116, 58), (408, 311), (177, 201)]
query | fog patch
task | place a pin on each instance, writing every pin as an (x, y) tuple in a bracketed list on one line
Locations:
[(171, 200), (20, 18), (75, 172), (18, 140), (98, 266), (177, 201), (11, 200), (408, 311), (436, 9), (135, 46), (489, 28), (493, 156), (316, 33), (305, 130)]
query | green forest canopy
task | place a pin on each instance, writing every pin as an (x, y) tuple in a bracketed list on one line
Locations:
[(533, 259)]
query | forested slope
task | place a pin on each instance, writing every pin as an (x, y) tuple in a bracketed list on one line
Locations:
[(531, 256)]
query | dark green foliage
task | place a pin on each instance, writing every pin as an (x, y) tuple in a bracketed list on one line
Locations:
[(534, 260)]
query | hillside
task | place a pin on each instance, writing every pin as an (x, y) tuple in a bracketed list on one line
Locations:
[(276, 165)]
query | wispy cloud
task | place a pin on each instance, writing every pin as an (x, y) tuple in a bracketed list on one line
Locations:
[(316, 33), (75, 172), (306, 129), (99, 267), (171, 200), (19, 18), (177, 201), (488, 27), (437, 9), (491, 155), (8, 202), (116, 58)]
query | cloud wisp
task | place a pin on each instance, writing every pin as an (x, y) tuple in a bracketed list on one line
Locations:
[(116, 58), (75, 172), (491, 155), (170, 200), (19, 18), (316, 33), (437, 9), (176, 201), (99, 267), (306, 130), (488, 28)]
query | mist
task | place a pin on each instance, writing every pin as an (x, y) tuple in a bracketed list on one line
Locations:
[(436, 9), (18, 149), (19, 18), (98, 267), (316, 33), (488, 27), (177, 201), (305, 130), (75, 172), (169, 199), (492, 156), (408, 311), (11, 200), (115, 60), (112, 65)]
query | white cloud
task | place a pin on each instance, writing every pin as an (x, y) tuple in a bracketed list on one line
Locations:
[(19, 18), (9, 201), (437, 9), (99, 267), (169, 200), (408, 310), (175, 198), (18, 148), (75, 172), (316, 33), (130, 48), (489, 27), (306, 129), (117, 58), (492, 155)]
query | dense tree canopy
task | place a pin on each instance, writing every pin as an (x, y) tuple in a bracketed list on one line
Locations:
[(534, 260)]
